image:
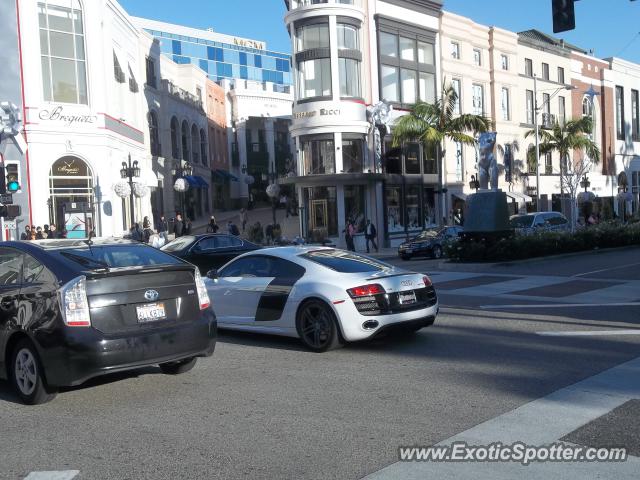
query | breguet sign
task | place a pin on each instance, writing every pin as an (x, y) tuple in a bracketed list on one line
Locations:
[(66, 117)]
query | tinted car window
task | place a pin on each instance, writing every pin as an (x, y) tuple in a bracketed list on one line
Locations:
[(10, 266), (118, 256), (522, 221), (35, 272), (345, 262), (223, 241), (253, 266), (285, 268), (178, 244), (208, 243), (557, 219)]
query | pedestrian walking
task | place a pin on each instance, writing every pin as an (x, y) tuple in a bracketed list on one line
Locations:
[(147, 231), (243, 219), (178, 226), (370, 234), (163, 229), (212, 227)]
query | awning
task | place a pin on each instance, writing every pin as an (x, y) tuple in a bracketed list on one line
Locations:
[(223, 175), (519, 197), (196, 181), (148, 177), (461, 196)]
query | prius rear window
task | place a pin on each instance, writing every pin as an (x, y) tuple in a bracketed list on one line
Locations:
[(118, 256), (345, 262)]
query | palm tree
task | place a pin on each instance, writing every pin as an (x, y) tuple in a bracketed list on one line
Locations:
[(432, 124), (564, 139)]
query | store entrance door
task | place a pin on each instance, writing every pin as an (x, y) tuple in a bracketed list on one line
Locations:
[(319, 219), (71, 198)]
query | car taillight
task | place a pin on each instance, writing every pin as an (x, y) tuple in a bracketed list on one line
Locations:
[(203, 296), (427, 281), (366, 290), (74, 303)]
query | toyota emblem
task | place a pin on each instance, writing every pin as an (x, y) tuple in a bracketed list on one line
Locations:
[(151, 295)]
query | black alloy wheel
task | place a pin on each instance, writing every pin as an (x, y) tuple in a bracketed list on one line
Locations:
[(26, 375), (317, 328)]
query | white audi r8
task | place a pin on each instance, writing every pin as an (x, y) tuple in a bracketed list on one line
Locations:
[(322, 295)]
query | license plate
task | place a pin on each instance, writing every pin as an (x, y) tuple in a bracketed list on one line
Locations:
[(407, 298), (151, 312)]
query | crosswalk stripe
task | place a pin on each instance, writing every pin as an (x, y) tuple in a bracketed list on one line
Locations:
[(53, 475)]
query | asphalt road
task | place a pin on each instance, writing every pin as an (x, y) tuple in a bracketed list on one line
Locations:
[(263, 407)]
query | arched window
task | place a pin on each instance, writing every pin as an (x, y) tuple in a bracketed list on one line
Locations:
[(175, 153), (203, 147), (195, 144), (587, 107), (186, 155), (154, 137), (62, 51)]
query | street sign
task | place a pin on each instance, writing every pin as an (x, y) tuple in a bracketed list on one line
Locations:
[(10, 224), (6, 198)]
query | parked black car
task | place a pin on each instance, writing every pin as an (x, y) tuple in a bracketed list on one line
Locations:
[(70, 311), (210, 250), (429, 243)]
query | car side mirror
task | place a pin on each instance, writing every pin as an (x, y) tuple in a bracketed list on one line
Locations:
[(213, 274)]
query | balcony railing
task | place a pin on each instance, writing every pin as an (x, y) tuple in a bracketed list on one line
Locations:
[(182, 94)]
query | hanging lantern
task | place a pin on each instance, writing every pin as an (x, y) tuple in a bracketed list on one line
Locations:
[(140, 190), (273, 190), (181, 185), (249, 180), (122, 189)]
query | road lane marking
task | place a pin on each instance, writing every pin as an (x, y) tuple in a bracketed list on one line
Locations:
[(590, 333), (561, 305), (59, 475), (607, 269)]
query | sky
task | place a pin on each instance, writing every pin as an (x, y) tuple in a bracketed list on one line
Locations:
[(609, 27)]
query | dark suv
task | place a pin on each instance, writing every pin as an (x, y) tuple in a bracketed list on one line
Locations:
[(71, 310)]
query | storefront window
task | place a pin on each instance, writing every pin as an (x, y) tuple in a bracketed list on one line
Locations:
[(319, 156), (412, 207), (412, 158), (429, 207), (315, 78), (349, 77), (354, 206), (321, 212), (392, 159), (352, 155), (395, 222)]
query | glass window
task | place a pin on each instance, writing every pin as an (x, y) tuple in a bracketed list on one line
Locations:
[(635, 116), (408, 83), (395, 221), (455, 83), (546, 103), (178, 244), (504, 61), (62, 53), (455, 50), (119, 256), (348, 37), (548, 164), (477, 57), (248, 267), (429, 207), (355, 206), (545, 71), (390, 84), (408, 49), (35, 272), (560, 75), (529, 107), (620, 113), (412, 158), (313, 36), (425, 53), (429, 159), (345, 262), (10, 266), (315, 78), (388, 44), (349, 77), (528, 67), (352, 155), (318, 157), (393, 158), (505, 104), (412, 206), (459, 151), (322, 212), (427, 87), (562, 110), (478, 99)]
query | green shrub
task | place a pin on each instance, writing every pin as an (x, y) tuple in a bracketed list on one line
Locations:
[(605, 235)]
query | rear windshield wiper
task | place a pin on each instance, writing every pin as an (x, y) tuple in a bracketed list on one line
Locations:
[(87, 262)]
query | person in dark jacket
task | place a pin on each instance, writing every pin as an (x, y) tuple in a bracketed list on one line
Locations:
[(135, 233), (163, 228), (370, 234), (178, 226), (53, 231), (26, 235)]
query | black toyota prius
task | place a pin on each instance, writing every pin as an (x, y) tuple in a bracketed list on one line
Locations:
[(71, 310)]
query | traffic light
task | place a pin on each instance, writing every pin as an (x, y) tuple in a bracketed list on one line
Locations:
[(11, 178), (10, 211), (564, 17)]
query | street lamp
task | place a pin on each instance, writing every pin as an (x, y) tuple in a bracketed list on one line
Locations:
[(585, 183), (129, 171), (538, 109)]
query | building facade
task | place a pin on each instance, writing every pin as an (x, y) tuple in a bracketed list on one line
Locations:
[(349, 55)]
